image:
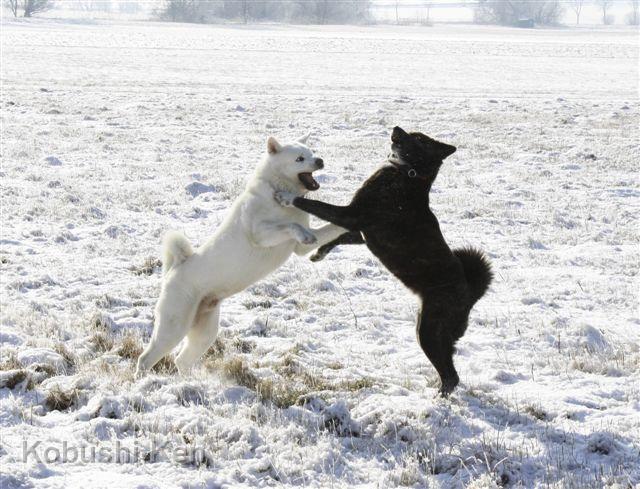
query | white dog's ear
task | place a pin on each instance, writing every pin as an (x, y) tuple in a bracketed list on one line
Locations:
[(273, 146), (304, 139)]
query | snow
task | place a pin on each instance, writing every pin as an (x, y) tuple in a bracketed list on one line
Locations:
[(317, 379), (53, 161)]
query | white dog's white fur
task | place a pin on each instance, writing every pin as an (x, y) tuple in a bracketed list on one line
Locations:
[(257, 236)]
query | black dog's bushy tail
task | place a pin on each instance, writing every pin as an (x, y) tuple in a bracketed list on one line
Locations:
[(477, 271)]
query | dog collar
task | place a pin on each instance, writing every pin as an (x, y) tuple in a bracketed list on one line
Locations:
[(412, 173)]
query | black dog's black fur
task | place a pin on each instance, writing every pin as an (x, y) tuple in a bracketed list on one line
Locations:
[(390, 213)]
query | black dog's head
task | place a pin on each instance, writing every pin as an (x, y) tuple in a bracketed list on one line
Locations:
[(418, 151)]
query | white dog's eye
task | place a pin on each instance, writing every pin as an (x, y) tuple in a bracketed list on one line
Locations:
[(299, 159)]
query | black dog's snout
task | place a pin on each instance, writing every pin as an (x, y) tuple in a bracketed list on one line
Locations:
[(319, 163), (397, 134)]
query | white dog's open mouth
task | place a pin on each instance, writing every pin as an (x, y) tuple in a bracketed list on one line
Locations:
[(308, 181)]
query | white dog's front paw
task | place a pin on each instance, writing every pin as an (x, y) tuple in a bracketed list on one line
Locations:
[(303, 235), (284, 198), (309, 238), (140, 373)]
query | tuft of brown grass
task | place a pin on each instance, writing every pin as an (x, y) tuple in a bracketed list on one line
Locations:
[(165, 366), (69, 358), (357, 384), (290, 366), (14, 378), (101, 322), (237, 370), (148, 267), (101, 342), (213, 356), (60, 400), (282, 394), (10, 362), (243, 346), (130, 347), (321, 384), (293, 370), (537, 412), (266, 304), (216, 350), (316, 382), (48, 370)]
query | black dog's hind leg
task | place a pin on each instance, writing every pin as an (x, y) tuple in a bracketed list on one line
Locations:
[(437, 343), (340, 216), (352, 237)]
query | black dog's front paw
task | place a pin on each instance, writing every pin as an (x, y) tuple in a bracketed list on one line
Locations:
[(447, 387), (317, 256), (321, 252)]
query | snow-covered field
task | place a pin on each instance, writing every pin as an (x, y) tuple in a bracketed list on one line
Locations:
[(114, 133)]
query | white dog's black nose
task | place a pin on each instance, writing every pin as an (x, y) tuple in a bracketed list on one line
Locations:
[(319, 163)]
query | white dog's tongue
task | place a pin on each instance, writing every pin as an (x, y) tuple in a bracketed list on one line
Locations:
[(308, 181)]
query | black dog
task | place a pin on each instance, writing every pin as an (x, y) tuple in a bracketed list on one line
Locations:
[(390, 213)]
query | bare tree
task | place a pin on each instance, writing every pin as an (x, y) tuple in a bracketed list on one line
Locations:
[(32, 7), (508, 12), (245, 11), (604, 6), (181, 11), (316, 11), (29, 7), (545, 12), (633, 18), (13, 6), (576, 6), (129, 7)]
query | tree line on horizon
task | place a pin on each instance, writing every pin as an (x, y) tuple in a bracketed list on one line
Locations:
[(500, 12)]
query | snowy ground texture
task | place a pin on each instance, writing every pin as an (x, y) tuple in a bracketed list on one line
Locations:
[(115, 133)]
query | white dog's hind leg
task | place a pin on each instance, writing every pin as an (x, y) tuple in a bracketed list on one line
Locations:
[(200, 337), (175, 312)]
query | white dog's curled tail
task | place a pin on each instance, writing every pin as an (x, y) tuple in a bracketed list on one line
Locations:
[(175, 250)]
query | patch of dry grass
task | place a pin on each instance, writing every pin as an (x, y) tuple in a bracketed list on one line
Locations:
[(46, 369), (295, 385), (101, 342), (243, 346), (537, 412), (70, 359), (60, 400), (13, 379), (282, 394), (166, 366), (101, 322), (216, 350), (148, 267), (10, 362), (130, 347), (356, 384)]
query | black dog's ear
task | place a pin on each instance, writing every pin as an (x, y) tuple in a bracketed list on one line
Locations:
[(444, 150), (398, 134)]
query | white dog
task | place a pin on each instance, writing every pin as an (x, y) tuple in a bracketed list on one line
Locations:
[(257, 236)]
